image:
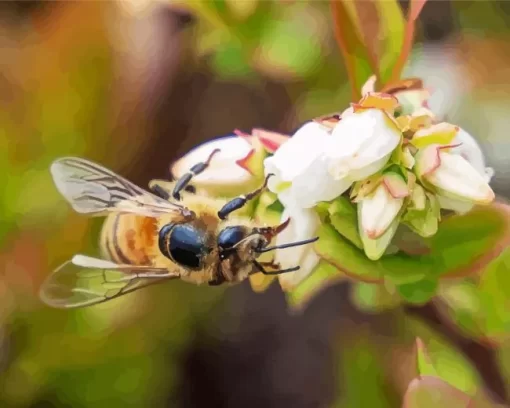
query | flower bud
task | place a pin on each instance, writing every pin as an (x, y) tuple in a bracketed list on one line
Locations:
[(452, 176), (381, 207)]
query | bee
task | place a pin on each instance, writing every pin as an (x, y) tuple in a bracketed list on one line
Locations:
[(154, 236)]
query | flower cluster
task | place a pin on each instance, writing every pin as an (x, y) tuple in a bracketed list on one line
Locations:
[(395, 161)]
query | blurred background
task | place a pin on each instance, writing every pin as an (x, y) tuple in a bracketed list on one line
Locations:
[(134, 85)]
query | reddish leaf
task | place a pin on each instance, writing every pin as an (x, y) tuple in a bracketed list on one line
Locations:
[(415, 7), (357, 58)]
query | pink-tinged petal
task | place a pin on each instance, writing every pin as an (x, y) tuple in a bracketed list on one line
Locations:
[(252, 162), (395, 185), (377, 211), (427, 160), (456, 178), (244, 162), (270, 140)]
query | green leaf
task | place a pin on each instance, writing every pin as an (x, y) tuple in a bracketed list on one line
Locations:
[(392, 31), (325, 274), (432, 392), (352, 261), (352, 47), (343, 216), (373, 297), (418, 292), (425, 365), (415, 7), (464, 244)]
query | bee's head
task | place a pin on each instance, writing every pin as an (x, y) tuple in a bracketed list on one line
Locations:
[(247, 242), (184, 244), (235, 239)]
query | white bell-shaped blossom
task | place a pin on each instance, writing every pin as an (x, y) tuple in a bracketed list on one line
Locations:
[(300, 171), (378, 210), (303, 225), (361, 145), (453, 176), (316, 165), (223, 169)]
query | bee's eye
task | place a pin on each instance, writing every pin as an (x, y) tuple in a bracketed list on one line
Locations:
[(230, 236), (183, 244)]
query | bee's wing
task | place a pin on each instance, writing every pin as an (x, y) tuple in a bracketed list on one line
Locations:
[(85, 281), (94, 190)]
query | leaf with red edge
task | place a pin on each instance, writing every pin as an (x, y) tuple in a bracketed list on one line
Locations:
[(425, 365), (415, 7), (358, 63), (432, 392)]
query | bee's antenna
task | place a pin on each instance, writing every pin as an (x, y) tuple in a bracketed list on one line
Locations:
[(289, 245), (260, 268), (186, 178), (239, 202)]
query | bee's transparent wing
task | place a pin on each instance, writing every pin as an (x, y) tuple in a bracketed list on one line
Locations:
[(94, 190), (85, 281)]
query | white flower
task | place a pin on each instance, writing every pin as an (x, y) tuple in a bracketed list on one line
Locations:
[(223, 169), (316, 165), (378, 210), (224, 175), (303, 225), (453, 176), (471, 151), (300, 170), (361, 145)]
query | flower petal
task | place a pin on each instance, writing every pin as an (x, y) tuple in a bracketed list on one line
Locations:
[(471, 151), (458, 206), (456, 178), (378, 210), (295, 155), (361, 144), (303, 225), (222, 169)]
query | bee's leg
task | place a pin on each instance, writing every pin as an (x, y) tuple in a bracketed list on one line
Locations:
[(160, 191), (186, 178), (260, 268), (239, 202), (163, 188)]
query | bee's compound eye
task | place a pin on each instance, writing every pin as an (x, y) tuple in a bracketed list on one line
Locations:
[(183, 244), (230, 236)]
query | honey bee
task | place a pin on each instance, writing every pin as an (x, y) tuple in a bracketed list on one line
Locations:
[(154, 236)]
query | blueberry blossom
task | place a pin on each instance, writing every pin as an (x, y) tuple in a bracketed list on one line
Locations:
[(452, 176)]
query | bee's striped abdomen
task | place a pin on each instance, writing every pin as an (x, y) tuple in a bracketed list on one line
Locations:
[(128, 239)]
